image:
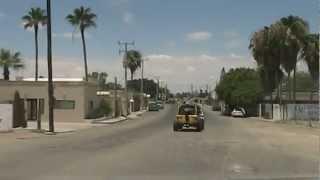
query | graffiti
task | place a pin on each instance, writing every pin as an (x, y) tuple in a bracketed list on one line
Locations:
[(306, 111)]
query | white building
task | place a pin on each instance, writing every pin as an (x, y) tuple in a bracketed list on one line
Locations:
[(75, 98)]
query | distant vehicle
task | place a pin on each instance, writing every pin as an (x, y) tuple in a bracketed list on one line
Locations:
[(238, 112), (216, 108), (171, 101), (189, 116), (160, 104), (153, 106)]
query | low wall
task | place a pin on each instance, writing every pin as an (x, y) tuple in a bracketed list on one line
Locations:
[(296, 111)]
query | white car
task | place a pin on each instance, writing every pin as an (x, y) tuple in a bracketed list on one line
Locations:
[(238, 112)]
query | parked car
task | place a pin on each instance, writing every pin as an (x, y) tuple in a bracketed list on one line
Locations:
[(160, 104), (189, 116), (238, 112), (153, 106)]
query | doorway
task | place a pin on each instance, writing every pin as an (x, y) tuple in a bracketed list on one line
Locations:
[(32, 109)]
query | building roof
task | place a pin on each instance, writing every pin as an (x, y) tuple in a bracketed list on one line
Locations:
[(55, 79)]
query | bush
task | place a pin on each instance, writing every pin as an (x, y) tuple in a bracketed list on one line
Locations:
[(104, 109)]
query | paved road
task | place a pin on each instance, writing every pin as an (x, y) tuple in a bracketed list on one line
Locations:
[(147, 149)]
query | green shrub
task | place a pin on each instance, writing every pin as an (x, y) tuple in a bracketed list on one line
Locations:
[(104, 109)]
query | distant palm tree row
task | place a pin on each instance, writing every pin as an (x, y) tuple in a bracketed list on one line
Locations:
[(278, 48), (81, 19)]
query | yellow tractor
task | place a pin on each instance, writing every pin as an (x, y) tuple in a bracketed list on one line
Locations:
[(189, 116)]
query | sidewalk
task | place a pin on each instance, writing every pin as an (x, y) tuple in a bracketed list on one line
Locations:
[(31, 131), (106, 120), (291, 123), (61, 127)]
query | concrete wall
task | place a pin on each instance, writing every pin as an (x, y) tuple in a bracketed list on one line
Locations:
[(300, 111)]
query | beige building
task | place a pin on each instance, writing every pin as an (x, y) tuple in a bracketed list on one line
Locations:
[(75, 98)]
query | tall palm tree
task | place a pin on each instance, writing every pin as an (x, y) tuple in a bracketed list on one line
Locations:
[(35, 18), (82, 19), (310, 54), (297, 29), (133, 60), (264, 50), (9, 60)]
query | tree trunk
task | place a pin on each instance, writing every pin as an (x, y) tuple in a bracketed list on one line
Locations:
[(314, 89), (6, 73), (84, 54), (289, 88), (36, 44), (131, 76), (294, 92), (289, 95)]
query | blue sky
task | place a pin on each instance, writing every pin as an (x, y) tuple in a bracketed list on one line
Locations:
[(172, 33)]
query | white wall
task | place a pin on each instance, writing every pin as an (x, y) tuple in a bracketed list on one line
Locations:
[(302, 112), (6, 117)]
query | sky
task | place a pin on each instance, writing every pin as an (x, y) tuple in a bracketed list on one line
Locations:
[(184, 41)]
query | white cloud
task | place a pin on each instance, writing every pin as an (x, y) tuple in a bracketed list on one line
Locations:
[(181, 71), (235, 56), (191, 69), (233, 44), (70, 35), (128, 18), (199, 36), (231, 34), (159, 57), (207, 57)]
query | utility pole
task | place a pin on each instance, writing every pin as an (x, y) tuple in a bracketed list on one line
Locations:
[(141, 86), (50, 83), (125, 64), (115, 97), (166, 92), (158, 81)]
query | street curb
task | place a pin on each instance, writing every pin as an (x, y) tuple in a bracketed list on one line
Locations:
[(110, 121)]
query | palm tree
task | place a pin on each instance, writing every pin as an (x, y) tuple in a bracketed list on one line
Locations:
[(9, 60), (297, 29), (82, 18), (264, 50), (34, 19), (133, 60), (310, 54)]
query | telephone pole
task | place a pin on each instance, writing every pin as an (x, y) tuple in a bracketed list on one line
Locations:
[(50, 83), (158, 81), (115, 97), (141, 86), (124, 49)]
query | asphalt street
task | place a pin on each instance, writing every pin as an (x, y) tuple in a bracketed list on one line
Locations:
[(147, 149)]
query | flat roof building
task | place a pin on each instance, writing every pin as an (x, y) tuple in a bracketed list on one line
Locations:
[(75, 98)]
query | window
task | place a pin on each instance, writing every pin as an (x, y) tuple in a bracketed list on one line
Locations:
[(64, 104)]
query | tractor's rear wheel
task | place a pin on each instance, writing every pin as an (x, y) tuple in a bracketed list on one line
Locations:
[(175, 126)]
